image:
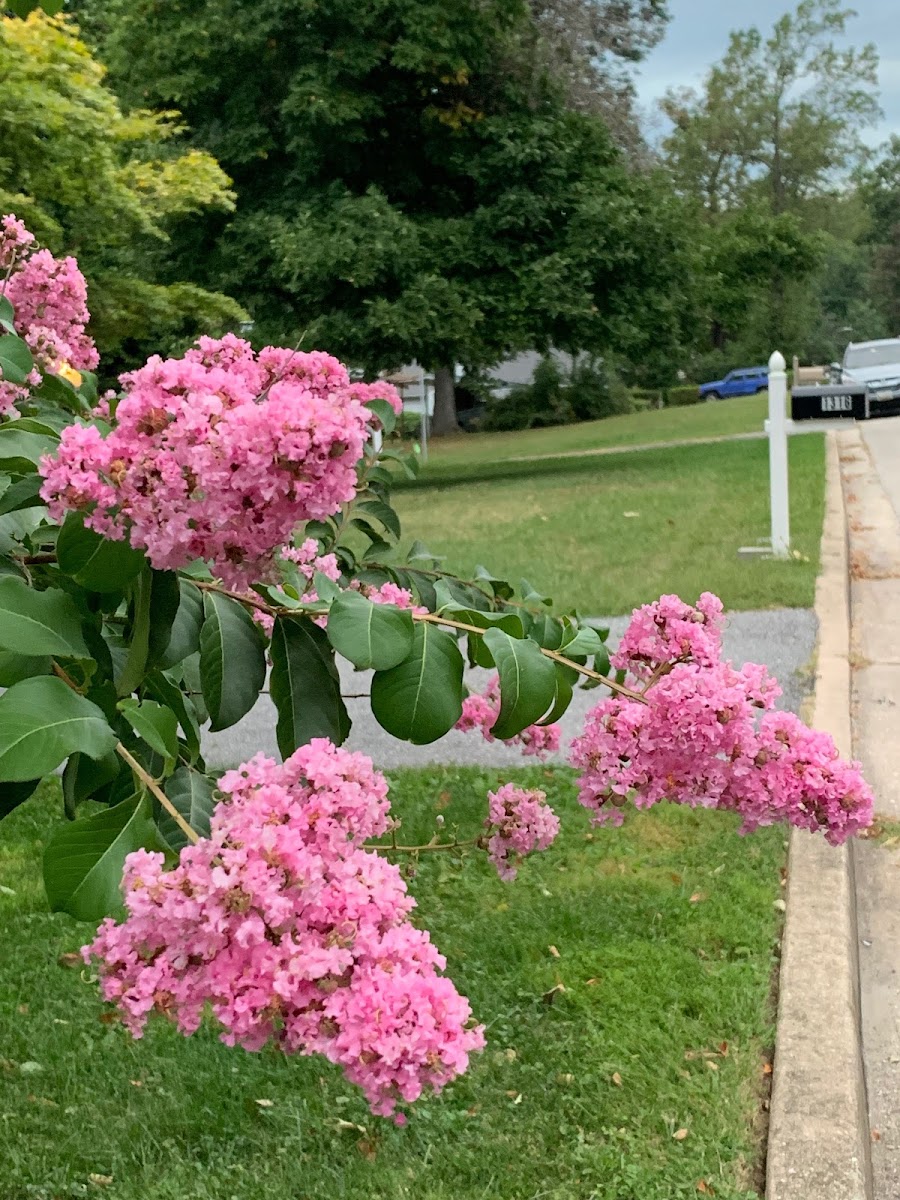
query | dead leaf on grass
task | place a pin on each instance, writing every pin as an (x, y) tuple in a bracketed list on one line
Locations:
[(617, 1079), (680, 1134), (553, 950)]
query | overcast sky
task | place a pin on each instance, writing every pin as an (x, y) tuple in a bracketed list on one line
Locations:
[(698, 35)]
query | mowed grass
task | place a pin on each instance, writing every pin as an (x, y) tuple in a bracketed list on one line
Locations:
[(624, 979), (605, 534), (744, 414)]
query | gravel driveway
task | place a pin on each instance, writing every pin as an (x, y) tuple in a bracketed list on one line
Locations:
[(783, 639)]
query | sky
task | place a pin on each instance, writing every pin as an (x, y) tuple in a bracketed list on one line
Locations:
[(698, 35)]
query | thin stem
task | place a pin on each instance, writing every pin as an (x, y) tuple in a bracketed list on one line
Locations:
[(395, 849), (437, 619), (146, 779), (152, 786)]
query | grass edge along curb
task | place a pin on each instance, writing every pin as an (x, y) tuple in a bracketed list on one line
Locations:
[(819, 1141)]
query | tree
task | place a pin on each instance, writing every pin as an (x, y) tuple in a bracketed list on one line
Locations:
[(779, 117), (142, 589), (591, 46), (109, 187), (775, 131), (879, 190), (411, 183)]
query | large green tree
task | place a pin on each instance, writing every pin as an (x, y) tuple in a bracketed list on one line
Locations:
[(110, 187), (763, 152), (411, 181)]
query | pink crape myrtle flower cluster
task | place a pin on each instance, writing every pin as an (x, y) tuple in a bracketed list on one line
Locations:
[(49, 299), (519, 822), (481, 712), (708, 735), (218, 455), (290, 932), (391, 593)]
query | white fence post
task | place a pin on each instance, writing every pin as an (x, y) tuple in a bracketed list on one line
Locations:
[(778, 457)]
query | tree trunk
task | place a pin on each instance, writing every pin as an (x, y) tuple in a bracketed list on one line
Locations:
[(444, 420)]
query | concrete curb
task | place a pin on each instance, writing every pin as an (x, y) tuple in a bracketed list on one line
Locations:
[(819, 1141)]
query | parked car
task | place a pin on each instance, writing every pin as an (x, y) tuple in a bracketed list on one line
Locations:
[(865, 384), (745, 382)]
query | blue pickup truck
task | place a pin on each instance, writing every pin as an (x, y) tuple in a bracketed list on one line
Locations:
[(746, 382)]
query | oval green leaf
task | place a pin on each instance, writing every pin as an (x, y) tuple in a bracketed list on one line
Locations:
[(527, 682), (84, 860), (371, 636), (194, 796), (42, 722), (35, 623), (16, 361), (305, 686), (96, 562), (232, 660), (420, 699)]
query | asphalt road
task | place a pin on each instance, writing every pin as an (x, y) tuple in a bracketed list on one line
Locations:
[(783, 639)]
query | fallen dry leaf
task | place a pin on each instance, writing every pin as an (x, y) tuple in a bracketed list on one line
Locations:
[(136, 1082), (553, 950), (767, 1068), (680, 1134), (697, 897), (69, 960), (266, 1103), (100, 1180), (723, 1049), (367, 1148), (549, 997), (565, 1080), (591, 982), (704, 1188), (876, 1135), (713, 1066), (617, 1079)]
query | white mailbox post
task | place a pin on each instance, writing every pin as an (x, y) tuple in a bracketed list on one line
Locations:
[(778, 457)]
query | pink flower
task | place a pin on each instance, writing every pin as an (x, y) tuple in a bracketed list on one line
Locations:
[(707, 735), (481, 713), (519, 822), (49, 299), (219, 456), (289, 931)]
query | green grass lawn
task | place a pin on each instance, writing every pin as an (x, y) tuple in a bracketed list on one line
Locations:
[(662, 934), (742, 414), (605, 534)]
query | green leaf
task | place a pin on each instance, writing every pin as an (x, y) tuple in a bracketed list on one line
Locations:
[(22, 449), (325, 588), (52, 7), (582, 644), (479, 654), (21, 8), (370, 635), (420, 699), (84, 860), (165, 601), (7, 315), (527, 682), (42, 722), (95, 562), (305, 686), (164, 689), (185, 636), (16, 667), (383, 513), (154, 723), (193, 795), (16, 362), (384, 413), (232, 660), (36, 623), (24, 493), (14, 794), (565, 681), (83, 777)]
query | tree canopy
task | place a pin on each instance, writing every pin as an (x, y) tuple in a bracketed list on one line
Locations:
[(412, 181), (109, 186)]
